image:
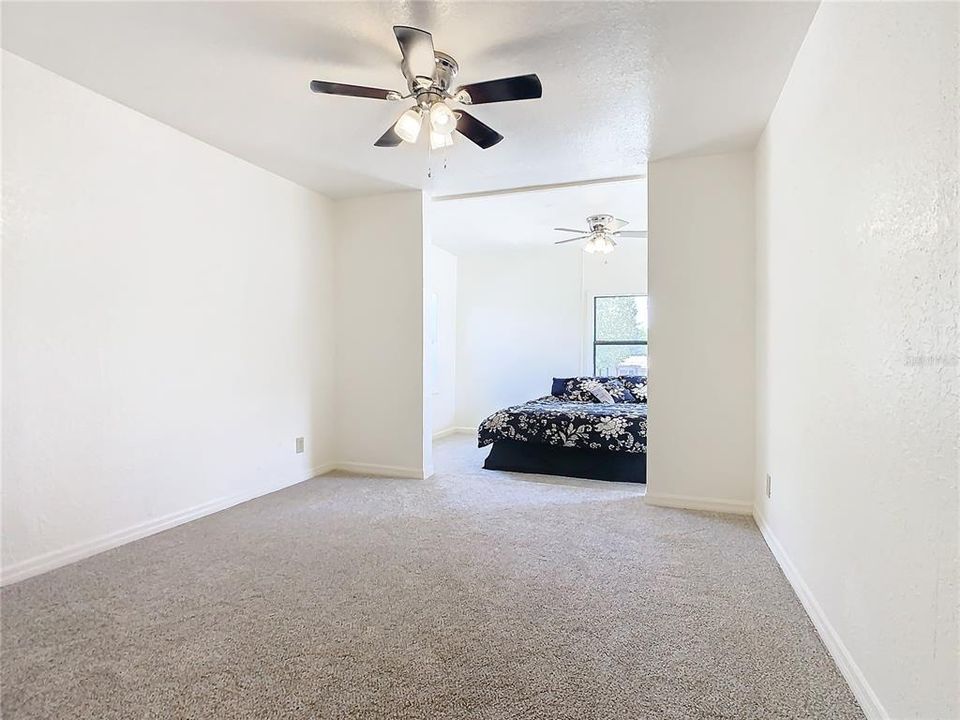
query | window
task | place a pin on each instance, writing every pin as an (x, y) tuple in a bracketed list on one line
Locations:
[(620, 335)]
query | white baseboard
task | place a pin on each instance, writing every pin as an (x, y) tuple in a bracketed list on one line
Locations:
[(869, 702), (453, 431), (687, 502), (72, 553), (385, 470)]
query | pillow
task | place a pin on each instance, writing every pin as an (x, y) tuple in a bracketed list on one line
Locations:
[(559, 387), (599, 392), (618, 391), (637, 386), (593, 389), (578, 390), (623, 389)]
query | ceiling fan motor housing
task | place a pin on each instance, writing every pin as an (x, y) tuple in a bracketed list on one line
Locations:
[(446, 71), (599, 222)]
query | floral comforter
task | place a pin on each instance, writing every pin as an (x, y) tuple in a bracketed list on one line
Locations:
[(620, 427)]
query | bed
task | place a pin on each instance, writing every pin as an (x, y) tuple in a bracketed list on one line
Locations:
[(573, 432)]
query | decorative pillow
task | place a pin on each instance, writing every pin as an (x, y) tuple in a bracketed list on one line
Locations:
[(578, 390), (562, 386), (600, 392), (618, 391), (637, 386)]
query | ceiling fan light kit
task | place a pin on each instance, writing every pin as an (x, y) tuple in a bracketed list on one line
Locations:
[(600, 236), (599, 244), (429, 74)]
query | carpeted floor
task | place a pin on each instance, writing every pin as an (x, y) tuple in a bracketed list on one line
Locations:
[(471, 595)]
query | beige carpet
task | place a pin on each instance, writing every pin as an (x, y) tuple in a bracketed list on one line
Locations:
[(471, 595)]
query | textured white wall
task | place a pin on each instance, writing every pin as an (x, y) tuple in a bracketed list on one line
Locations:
[(380, 399), (523, 318), (858, 263), (701, 428), (518, 325), (167, 323), (442, 281)]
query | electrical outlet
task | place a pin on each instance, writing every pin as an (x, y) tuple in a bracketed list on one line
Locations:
[(768, 484), (300, 450)]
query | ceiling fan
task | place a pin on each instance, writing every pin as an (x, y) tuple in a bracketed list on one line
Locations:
[(429, 74), (603, 229)]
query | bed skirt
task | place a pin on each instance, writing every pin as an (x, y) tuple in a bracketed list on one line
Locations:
[(524, 457)]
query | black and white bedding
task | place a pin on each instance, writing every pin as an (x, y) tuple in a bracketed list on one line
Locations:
[(572, 417)]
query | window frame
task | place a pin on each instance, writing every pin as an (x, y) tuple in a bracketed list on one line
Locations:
[(595, 343)]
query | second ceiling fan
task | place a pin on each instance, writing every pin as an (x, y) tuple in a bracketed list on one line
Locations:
[(429, 74), (600, 236)]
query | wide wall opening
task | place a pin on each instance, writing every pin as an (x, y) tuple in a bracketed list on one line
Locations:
[(537, 329)]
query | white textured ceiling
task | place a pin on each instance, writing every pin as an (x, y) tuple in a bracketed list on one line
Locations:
[(523, 220), (623, 82)]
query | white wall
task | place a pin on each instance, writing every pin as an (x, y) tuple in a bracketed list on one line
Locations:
[(442, 369), (858, 261), (380, 359), (700, 449), (167, 324), (523, 318)]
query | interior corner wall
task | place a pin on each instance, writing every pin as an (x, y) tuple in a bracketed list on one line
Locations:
[(701, 429), (167, 325), (857, 200), (381, 423)]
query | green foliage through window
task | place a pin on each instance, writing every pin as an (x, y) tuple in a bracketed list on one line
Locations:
[(620, 335)]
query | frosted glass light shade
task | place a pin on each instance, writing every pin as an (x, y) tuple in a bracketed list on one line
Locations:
[(599, 244), (408, 126), (440, 140), (442, 119)]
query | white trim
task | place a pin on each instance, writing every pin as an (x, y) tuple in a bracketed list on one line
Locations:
[(539, 188), (385, 470), (688, 502), (869, 702), (72, 553), (453, 431)]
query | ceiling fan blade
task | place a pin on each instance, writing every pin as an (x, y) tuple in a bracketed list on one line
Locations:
[(631, 233), (417, 48), (561, 242), (572, 230), (616, 224), (331, 88), (483, 135), (521, 87), (389, 138)]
